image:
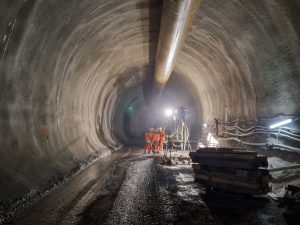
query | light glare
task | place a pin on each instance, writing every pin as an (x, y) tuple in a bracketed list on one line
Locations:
[(169, 112), (211, 140), (280, 123)]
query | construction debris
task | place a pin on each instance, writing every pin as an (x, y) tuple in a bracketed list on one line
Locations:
[(291, 202), (231, 169)]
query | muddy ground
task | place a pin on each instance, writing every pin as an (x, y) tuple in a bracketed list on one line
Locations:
[(133, 188)]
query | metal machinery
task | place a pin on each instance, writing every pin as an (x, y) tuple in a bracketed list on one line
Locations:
[(180, 131)]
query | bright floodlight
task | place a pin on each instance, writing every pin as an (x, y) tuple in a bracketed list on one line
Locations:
[(169, 112), (211, 140), (280, 123)]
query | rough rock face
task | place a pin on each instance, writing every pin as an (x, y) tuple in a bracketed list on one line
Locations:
[(71, 70)]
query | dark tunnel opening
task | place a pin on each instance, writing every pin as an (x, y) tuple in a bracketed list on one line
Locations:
[(134, 115)]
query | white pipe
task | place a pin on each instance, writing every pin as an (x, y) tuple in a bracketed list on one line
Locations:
[(244, 142), (253, 133), (290, 148), (266, 130)]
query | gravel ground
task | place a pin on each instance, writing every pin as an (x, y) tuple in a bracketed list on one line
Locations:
[(134, 188)]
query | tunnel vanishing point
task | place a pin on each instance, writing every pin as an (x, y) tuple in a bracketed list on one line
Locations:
[(76, 78)]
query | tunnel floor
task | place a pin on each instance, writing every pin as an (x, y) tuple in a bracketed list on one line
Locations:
[(133, 188)]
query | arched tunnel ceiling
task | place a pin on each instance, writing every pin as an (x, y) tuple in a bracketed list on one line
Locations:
[(70, 69)]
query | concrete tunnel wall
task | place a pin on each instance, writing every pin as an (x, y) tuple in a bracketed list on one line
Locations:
[(70, 69)]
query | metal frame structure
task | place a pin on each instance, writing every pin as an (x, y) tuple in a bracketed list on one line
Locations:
[(181, 129)]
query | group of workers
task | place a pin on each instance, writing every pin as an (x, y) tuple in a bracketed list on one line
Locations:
[(154, 140)]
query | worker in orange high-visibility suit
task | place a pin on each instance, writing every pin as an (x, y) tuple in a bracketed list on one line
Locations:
[(162, 138), (152, 133), (148, 141), (156, 138)]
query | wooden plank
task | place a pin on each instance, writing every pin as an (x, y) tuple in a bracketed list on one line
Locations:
[(232, 186), (242, 173), (238, 172), (258, 172), (223, 155), (231, 177), (238, 189), (257, 162), (215, 182), (227, 156), (226, 150), (236, 183), (227, 163), (236, 152)]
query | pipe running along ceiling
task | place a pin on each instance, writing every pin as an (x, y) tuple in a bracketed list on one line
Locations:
[(176, 20)]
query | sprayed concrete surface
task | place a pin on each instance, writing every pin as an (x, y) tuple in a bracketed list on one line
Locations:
[(71, 70), (133, 188)]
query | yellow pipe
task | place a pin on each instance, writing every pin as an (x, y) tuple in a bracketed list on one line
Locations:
[(176, 21)]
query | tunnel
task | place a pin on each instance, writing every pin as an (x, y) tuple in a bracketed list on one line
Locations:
[(76, 81)]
